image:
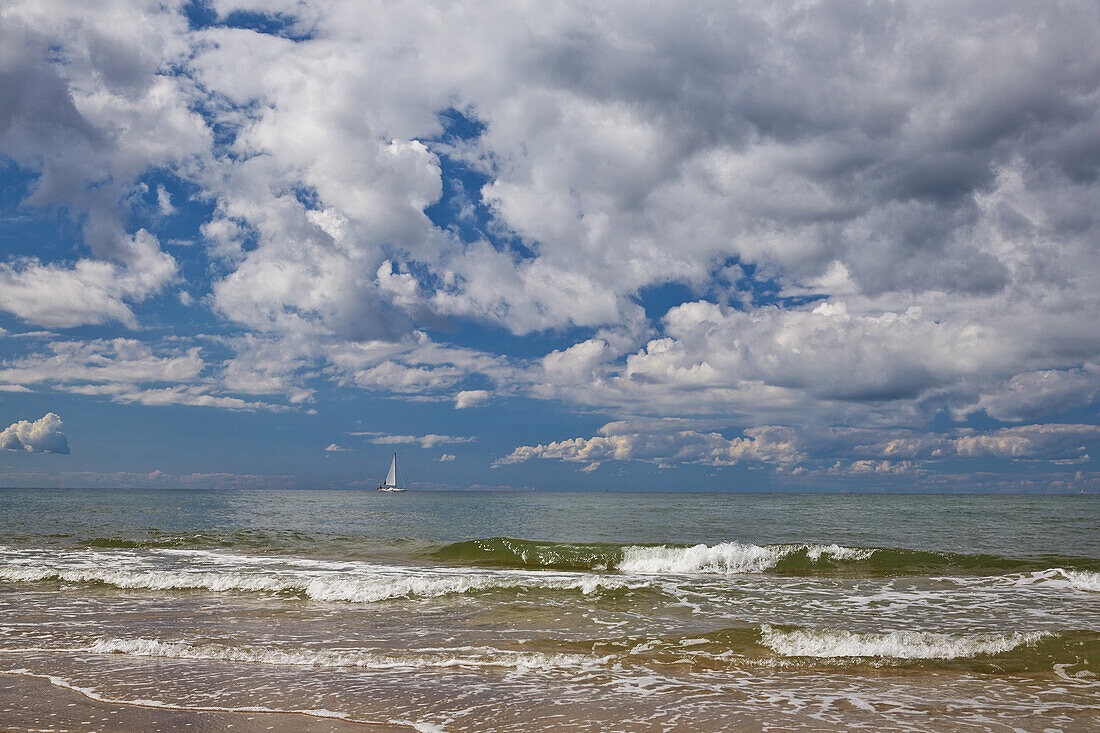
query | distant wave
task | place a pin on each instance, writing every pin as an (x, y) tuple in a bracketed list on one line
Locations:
[(731, 558)]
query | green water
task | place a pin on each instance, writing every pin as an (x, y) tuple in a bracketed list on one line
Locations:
[(1008, 526)]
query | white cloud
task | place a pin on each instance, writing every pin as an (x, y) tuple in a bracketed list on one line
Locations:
[(41, 436), (333, 448), (85, 108), (872, 467), (1047, 442), (1031, 394), (126, 370), (191, 395), (845, 451), (446, 457), (268, 367), (470, 398), (424, 441), (103, 361), (164, 202), (658, 442), (153, 479), (90, 291)]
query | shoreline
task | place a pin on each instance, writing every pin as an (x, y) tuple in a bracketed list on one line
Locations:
[(31, 701)]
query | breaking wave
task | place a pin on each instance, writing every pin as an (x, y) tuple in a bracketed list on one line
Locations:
[(1082, 580), (502, 563), (729, 558), (830, 643), (328, 587)]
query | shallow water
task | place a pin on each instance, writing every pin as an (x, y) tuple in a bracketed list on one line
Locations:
[(461, 611)]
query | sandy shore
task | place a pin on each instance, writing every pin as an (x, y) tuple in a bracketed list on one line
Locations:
[(34, 704)]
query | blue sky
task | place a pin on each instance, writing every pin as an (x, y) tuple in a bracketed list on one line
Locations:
[(745, 247)]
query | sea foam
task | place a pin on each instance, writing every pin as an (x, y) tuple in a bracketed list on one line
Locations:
[(364, 585), (1082, 580), (727, 558), (461, 657), (829, 643)]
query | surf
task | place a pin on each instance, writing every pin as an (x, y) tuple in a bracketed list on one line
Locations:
[(733, 558)]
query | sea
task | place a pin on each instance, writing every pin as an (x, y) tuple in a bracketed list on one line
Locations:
[(473, 611)]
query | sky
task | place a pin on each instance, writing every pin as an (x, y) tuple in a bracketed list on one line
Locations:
[(804, 246)]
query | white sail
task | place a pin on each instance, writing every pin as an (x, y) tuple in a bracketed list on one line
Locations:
[(391, 477)]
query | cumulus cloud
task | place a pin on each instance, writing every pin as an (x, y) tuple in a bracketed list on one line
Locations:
[(857, 171), (868, 466), (88, 292), (1029, 441), (447, 457), (843, 451), (41, 436), (657, 443), (87, 111), (1031, 394)]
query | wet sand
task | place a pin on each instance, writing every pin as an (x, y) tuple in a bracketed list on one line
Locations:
[(34, 704)]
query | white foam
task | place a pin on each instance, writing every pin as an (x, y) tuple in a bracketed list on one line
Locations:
[(830, 643), (834, 552), (146, 579), (1082, 580), (428, 658), (363, 585), (727, 558)]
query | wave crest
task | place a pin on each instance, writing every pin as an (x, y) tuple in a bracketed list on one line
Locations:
[(358, 588), (1082, 580), (831, 643), (728, 558)]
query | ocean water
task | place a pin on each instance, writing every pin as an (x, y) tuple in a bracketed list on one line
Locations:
[(564, 611)]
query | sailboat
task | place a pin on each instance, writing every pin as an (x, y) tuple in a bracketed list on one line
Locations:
[(390, 484)]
